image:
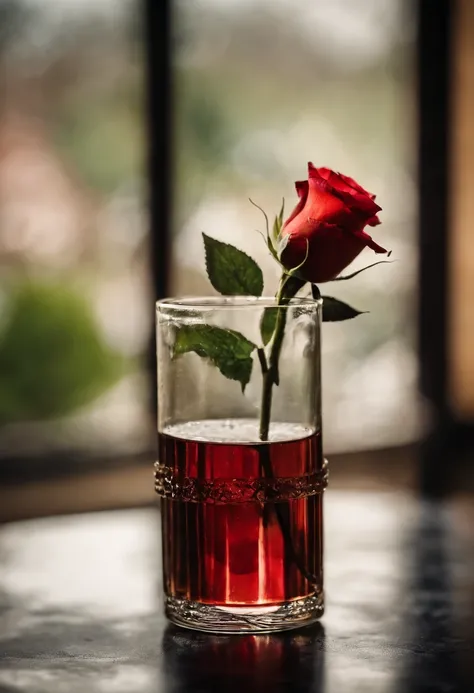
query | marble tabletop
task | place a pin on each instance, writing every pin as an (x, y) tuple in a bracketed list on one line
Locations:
[(80, 608)]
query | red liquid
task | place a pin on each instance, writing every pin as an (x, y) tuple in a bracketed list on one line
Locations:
[(235, 553)]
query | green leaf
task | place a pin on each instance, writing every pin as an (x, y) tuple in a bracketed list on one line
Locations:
[(228, 350), (267, 324), (335, 310), (231, 271), (354, 274)]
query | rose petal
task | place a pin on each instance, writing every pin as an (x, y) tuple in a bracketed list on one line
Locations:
[(321, 203), (369, 242), (375, 221), (361, 204), (344, 185), (340, 182), (312, 171), (353, 184), (324, 172), (330, 250), (302, 188), (330, 216)]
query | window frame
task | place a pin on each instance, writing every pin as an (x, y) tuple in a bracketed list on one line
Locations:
[(434, 55)]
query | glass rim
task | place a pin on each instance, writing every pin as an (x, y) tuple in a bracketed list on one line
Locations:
[(186, 303)]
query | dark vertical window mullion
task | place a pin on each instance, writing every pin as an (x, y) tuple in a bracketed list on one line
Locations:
[(434, 63), (159, 98), (435, 21)]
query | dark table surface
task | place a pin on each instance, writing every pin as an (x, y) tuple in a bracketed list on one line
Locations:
[(80, 608)]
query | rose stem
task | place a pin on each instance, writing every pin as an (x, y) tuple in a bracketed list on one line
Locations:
[(289, 286)]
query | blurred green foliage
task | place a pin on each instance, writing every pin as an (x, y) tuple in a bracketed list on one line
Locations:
[(52, 358)]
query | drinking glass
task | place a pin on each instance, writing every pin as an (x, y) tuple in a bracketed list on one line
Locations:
[(241, 506)]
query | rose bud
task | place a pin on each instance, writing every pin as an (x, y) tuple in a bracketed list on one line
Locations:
[(327, 225)]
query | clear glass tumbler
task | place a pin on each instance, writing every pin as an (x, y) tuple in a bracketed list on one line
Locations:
[(240, 469)]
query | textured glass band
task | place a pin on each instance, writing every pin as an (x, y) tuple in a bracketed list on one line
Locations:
[(215, 619), (170, 485)]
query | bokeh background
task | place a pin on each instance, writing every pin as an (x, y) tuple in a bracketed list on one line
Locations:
[(75, 299), (382, 90), (259, 88)]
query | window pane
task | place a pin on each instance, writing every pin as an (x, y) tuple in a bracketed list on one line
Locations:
[(261, 87), (74, 309)]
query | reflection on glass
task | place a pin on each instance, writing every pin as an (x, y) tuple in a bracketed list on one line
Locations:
[(261, 87), (73, 255)]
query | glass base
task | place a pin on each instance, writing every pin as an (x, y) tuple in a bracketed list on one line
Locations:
[(243, 619)]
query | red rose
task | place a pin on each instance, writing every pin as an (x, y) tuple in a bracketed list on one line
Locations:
[(328, 222)]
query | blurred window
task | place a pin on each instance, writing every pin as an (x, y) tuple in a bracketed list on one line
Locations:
[(74, 289), (260, 88)]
